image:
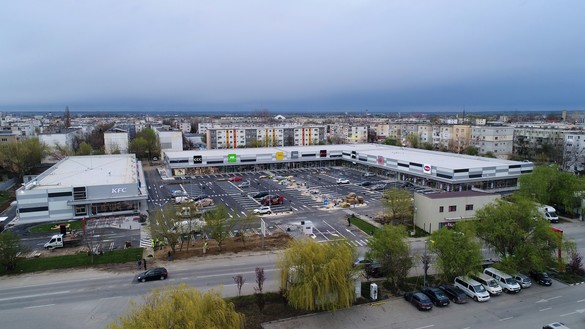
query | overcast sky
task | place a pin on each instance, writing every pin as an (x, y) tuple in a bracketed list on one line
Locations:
[(347, 54)]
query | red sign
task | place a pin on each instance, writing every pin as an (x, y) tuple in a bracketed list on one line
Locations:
[(380, 159)]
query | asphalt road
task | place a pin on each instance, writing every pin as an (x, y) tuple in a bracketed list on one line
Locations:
[(91, 299)]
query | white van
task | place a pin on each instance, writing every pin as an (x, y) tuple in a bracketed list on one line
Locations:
[(472, 288), (489, 283), (506, 281)]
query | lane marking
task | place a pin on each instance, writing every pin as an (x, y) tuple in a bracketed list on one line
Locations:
[(582, 300), (505, 319), (29, 307), (545, 309), (113, 297), (429, 326), (37, 295)]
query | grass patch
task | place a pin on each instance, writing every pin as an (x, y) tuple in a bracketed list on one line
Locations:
[(5, 197), (54, 227), (78, 260), (566, 277), (363, 225), (275, 308)]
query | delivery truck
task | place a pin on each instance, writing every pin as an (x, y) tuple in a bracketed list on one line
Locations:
[(62, 240)]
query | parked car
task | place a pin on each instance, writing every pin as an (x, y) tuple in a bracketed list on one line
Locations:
[(235, 178), (523, 280), (244, 184), (374, 270), (263, 210), (157, 273), (406, 185), (342, 181), (369, 174), (201, 197), (364, 183), (420, 300), (378, 187), (437, 296), (455, 294), (361, 261), (260, 195), (272, 199), (541, 278), (555, 325)]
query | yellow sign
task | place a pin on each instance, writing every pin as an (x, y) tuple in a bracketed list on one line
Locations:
[(279, 155)]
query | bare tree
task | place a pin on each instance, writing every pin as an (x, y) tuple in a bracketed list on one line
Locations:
[(258, 290), (239, 280)]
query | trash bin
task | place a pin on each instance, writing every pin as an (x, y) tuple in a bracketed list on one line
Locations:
[(373, 291)]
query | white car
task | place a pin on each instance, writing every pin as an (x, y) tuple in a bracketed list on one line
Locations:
[(263, 210), (342, 181)]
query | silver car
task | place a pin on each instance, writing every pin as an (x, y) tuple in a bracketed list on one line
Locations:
[(523, 280)]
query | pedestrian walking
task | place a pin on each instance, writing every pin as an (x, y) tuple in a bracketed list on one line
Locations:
[(204, 247), (169, 256), (348, 221), (139, 264), (144, 262), (152, 242)]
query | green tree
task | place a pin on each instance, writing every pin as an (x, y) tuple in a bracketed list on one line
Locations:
[(518, 233), (550, 185), (219, 224), (20, 158), (390, 248), (181, 307), (391, 141), (138, 146), (164, 225), (458, 252), (84, 149), (317, 276), (413, 140), (471, 150), (398, 203), (10, 248)]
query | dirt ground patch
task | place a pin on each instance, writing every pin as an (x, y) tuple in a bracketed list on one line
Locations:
[(278, 240)]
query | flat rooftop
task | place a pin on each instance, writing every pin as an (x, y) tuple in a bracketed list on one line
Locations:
[(90, 170)]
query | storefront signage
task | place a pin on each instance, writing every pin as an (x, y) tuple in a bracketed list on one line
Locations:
[(232, 157), (118, 190), (294, 154), (197, 159), (426, 168), (380, 159), (279, 155), (323, 153)]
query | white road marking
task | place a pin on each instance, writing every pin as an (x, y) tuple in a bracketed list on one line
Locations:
[(37, 295), (429, 326), (106, 298), (545, 309), (505, 319), (40, 306), (581, 300)]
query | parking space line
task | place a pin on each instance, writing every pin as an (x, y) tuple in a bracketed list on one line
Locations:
[(545, 309)]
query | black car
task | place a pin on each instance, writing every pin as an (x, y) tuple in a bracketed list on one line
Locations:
[(364, 183), (157, 273), (201, 197), (374, 270), (437, 296), (420, 300), (541, 278), (260, 195), (455, 294), (406, 185)]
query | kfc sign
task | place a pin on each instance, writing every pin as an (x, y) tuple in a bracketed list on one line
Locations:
[(426, 169), (118, 190)]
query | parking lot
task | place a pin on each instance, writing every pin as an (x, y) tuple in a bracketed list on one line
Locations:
[(310, 196)]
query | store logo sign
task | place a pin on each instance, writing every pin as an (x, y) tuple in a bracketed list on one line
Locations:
[(232, 157), (118, 190), (323, 153), (380, 159), (197, 159), (280, 155), (426, 169)]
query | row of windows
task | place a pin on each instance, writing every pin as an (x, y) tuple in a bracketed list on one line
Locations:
[(468, 207)]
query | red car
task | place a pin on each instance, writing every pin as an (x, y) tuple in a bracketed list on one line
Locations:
[(235, 178), (272, 199)]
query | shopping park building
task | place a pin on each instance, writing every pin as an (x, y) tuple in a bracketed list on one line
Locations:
[(443, 171), (84, 186)]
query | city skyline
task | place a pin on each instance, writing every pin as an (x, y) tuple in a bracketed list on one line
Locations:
[(302, 56)]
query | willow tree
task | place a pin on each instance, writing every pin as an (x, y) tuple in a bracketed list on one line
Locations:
[(181, 307), (458, 251), (317, 276)]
